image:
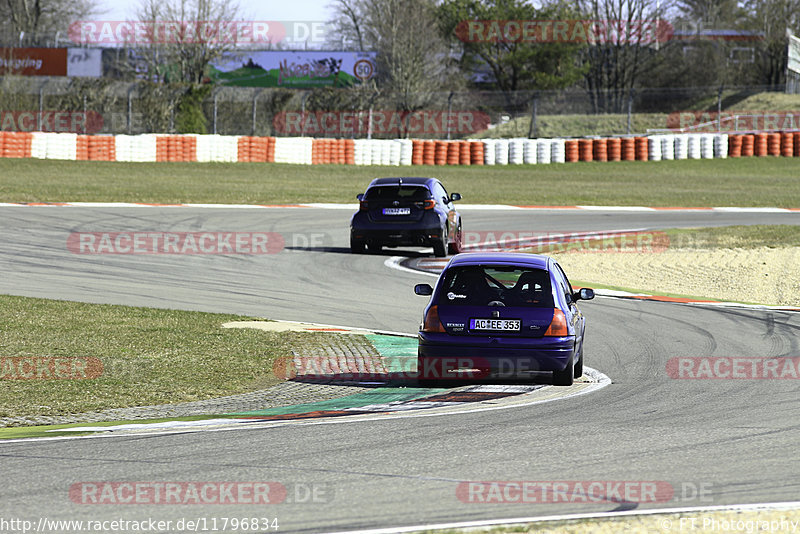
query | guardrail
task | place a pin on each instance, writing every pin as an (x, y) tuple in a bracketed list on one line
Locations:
[(311, 151)]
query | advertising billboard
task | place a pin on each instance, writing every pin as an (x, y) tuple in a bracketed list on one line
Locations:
[(293, 69)]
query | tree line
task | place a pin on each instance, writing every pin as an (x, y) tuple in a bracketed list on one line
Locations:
[(427, 47)]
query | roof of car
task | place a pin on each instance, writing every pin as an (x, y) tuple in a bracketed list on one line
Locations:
[(406, 181), (508, 258)]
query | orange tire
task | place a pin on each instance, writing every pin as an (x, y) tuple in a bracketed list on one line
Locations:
[(760, 144), (600, 150), (428, 152), (349, 152), (774, 144), (787, 144), (571, 151), (476, 152), (735, 146), (453, 152), (417, 149), (748, 144), (585, 149), (628, 148), (614, 149), (642, 149)]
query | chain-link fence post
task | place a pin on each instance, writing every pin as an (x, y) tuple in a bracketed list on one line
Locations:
[(533, 127), (630, 111), (215, 111), (449, 112), (41, 106)]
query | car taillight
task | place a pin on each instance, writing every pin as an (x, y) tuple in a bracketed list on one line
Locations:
[(432, 322), (558, 327), (429, 204), (362, 205)]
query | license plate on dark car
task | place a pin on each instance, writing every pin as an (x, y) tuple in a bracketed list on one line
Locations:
[(397, 211), (505, 325)]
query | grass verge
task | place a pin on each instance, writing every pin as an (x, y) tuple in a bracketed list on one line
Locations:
[(149, 356), (768, 181)]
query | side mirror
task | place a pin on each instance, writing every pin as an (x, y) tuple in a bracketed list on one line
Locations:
[(360, 196), (455, 197), (423, 289), (584, 294)]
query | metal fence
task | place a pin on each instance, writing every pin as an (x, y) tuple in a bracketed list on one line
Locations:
[(112, 107)]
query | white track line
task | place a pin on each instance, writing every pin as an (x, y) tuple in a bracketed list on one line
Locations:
[(794, 505)]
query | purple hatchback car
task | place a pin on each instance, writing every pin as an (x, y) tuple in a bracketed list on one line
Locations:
[(501, 315)]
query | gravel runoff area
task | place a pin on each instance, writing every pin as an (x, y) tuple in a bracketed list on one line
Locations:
[(759, 275)]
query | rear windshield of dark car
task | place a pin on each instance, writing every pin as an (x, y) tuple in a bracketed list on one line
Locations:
[(394, 192), (513, 286)]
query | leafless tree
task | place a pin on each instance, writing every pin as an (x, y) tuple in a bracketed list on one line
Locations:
[(347, 25), (37, 22), (183, 37), (619, 56), (773, 19), (413, 60)]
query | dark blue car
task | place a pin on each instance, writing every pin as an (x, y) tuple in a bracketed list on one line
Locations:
[(501, 315), (406, 211)]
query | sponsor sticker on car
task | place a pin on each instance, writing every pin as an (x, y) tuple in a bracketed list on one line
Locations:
[(495, 324)]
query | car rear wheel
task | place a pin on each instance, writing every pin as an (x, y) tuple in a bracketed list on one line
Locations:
[(440, 246), (457, 246), (374, 248), (579, 366), (356, 247), (565, 377)]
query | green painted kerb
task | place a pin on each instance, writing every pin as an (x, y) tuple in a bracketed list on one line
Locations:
[(399, 355)]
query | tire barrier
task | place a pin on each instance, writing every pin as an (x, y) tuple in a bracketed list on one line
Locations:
[(585, 150), (95, 148), (748, 141), (615, 149), (393, 152), (642, 148), (571, 150), (16, 144), (558, 152), (628, 149)]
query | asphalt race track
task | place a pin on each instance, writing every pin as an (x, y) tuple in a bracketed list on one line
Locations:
[(732, 440)]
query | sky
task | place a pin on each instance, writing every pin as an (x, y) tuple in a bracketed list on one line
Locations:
[(278, 10)]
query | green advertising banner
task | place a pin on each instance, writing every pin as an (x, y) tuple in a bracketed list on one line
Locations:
[(293, 69)]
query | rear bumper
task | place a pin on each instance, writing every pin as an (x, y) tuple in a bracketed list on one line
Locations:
[(398, 236), (443, 354)]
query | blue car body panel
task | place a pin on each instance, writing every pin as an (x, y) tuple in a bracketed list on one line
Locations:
[(509, 353), (420, 227)]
